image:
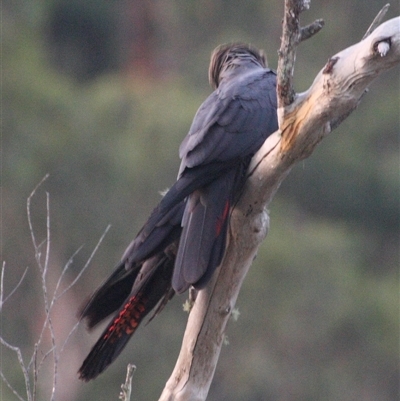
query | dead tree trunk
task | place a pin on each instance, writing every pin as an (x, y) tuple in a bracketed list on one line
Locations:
[(305, 119)]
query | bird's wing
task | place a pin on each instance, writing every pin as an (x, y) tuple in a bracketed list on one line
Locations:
[(157, 233), (233, 121), (203, 237)]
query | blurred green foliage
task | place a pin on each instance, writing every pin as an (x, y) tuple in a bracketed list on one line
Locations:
[(319, 311)]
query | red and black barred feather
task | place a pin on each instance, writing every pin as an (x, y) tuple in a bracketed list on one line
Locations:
[(151, 291)]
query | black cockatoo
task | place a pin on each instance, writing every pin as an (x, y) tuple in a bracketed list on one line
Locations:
[(184, 239)]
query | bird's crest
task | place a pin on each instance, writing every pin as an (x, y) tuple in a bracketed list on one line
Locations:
[(227, 55)]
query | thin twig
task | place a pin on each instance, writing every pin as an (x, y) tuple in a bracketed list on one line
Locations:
[(59, 281), (23, 368), (3, 268), (8, 384), (46, 260), (2, 299), (377, 20), (69, 336), (35, 364), (87, 263), (310, 30), (126, 389), (48, 322), (28, 207), (35, 369), (43, 273)]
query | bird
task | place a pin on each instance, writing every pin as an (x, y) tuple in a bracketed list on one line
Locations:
[(184, 239)]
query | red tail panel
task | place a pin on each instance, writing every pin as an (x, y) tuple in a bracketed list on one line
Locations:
[(128, 319)]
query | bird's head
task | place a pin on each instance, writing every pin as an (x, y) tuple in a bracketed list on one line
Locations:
[(228, 56)]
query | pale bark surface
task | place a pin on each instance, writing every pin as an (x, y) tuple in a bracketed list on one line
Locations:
[(334, 94)]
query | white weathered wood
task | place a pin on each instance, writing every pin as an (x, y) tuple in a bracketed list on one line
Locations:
[(334, 94)]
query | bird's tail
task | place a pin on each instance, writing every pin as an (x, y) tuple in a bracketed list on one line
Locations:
[(151, 290), (110, 295)]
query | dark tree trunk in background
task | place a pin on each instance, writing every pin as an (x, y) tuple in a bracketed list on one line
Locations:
[(87, 40)]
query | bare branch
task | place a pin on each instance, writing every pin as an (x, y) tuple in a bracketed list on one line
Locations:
[(3, 268), (338, 88), (377, 20), (126, 388), (35, 369), (84, 267), (22, 365), (68, 337), (35, 363), (310, 30), (43, 268), (28, 207), (292, 35), (2, 299), (8, 384), (62, 275), (287, 54), (335, 93), (46, 261)]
